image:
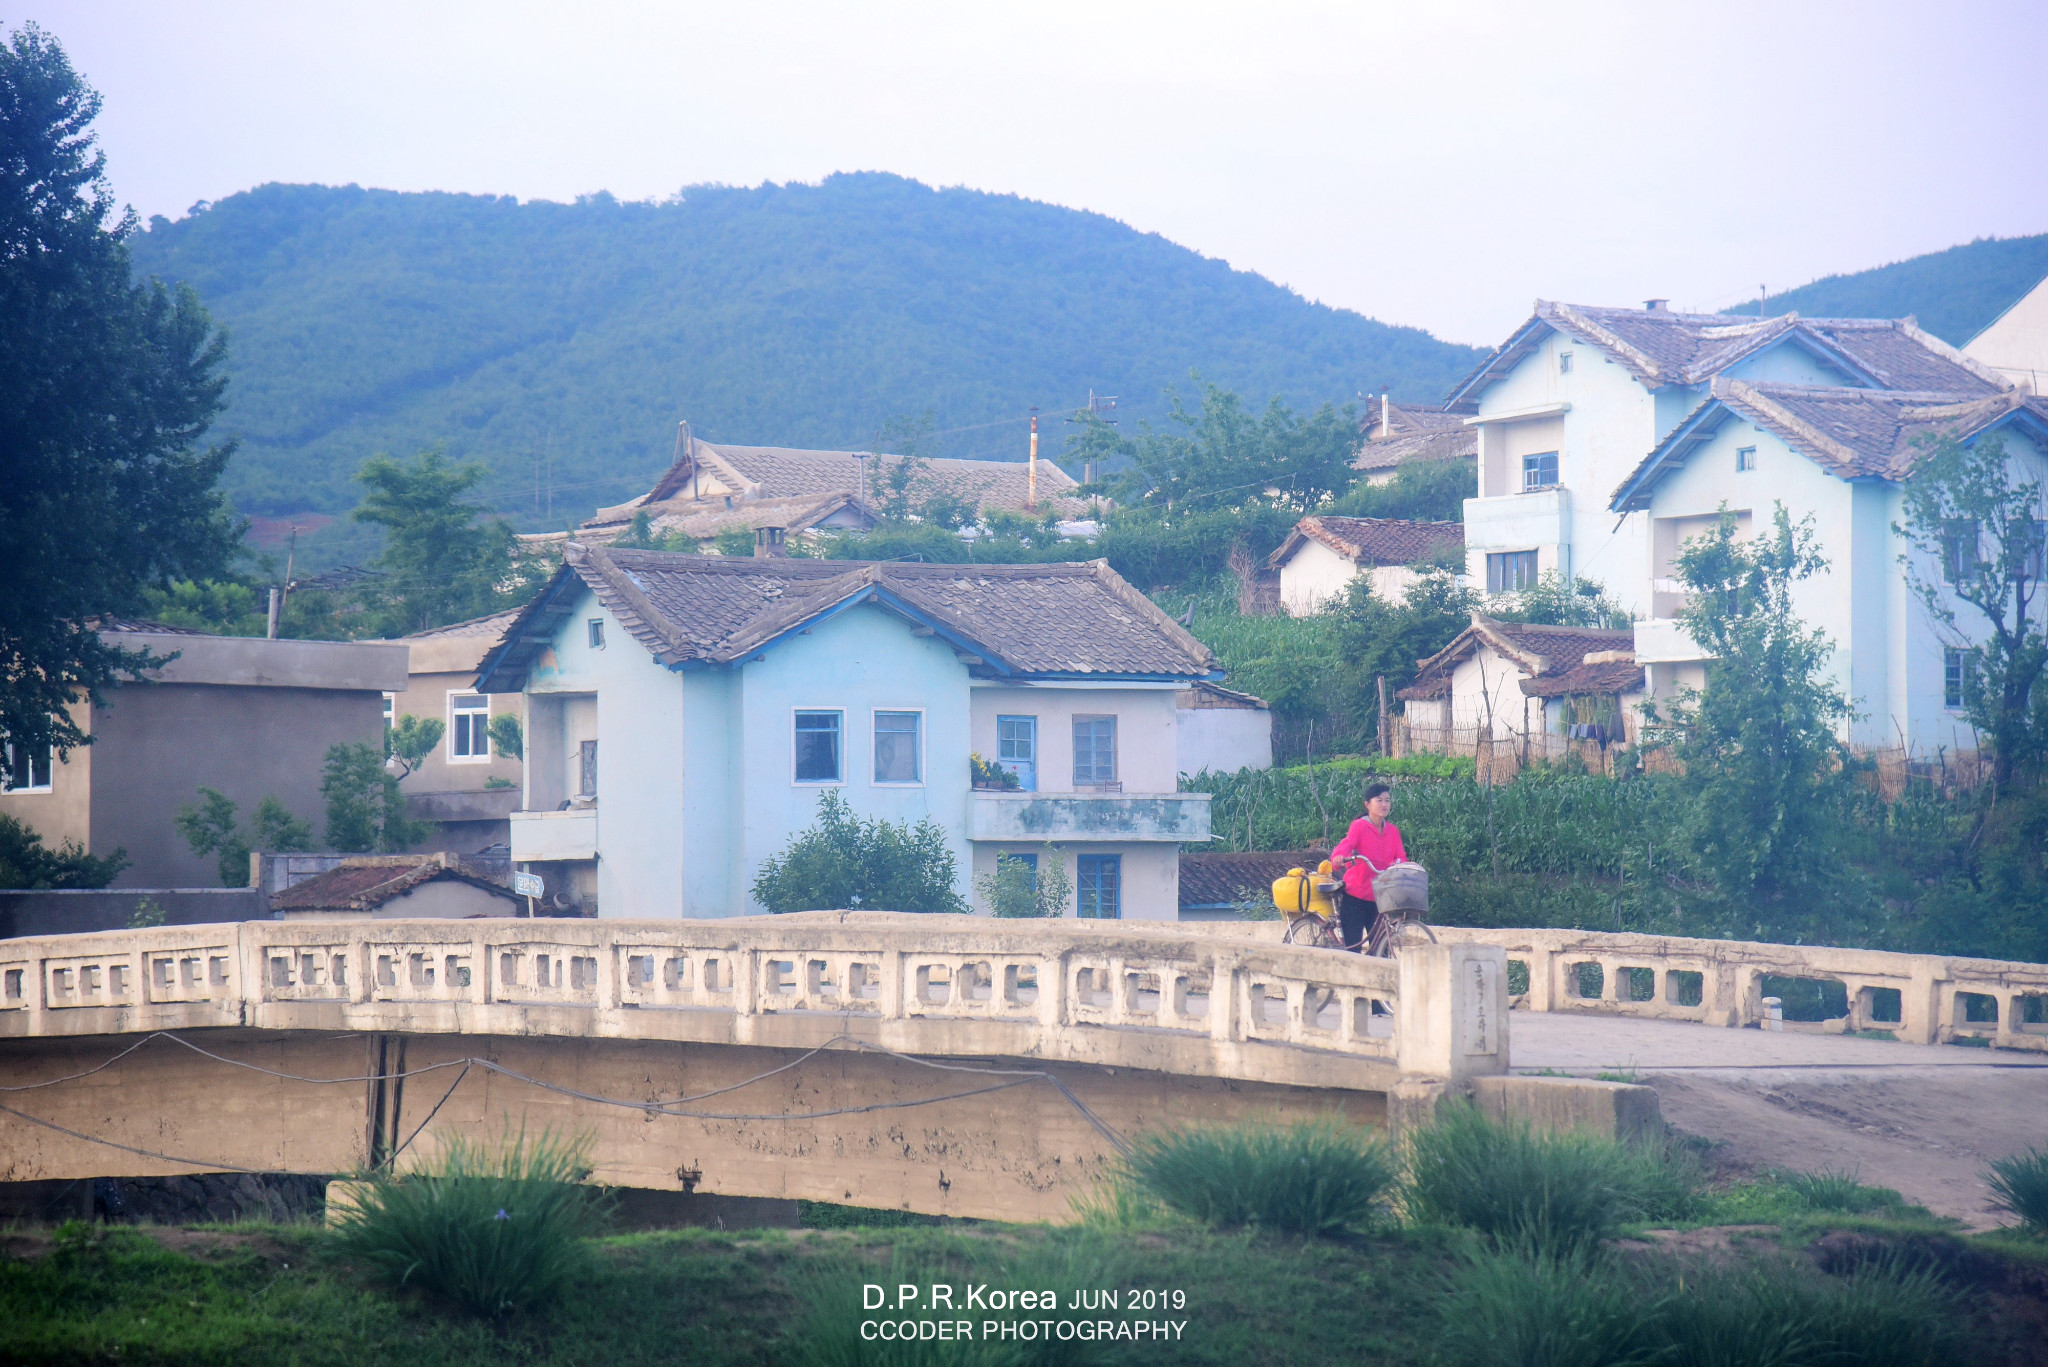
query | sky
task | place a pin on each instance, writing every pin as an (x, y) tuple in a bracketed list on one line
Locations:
[(1432, 163)]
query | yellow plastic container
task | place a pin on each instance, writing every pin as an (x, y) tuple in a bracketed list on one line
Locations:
[(1297, 891)]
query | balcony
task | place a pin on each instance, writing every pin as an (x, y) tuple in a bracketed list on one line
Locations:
[(1518, 521), (1661, 640), (540, 837), (1089, 816)]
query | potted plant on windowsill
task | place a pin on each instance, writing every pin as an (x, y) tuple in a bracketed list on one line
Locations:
[(990, 777)]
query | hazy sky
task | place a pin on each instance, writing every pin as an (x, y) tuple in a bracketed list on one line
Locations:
[(1430, 163)]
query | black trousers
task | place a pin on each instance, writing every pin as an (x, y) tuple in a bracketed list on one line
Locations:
[(1355, 918)]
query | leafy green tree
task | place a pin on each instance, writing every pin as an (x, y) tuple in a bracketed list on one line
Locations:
[(1023, 888), (1764, 763), (845, 861), (506, 737), (443, 560), (410, 740), (1389, 639), (106, 388), (642, 536), (365, 806), (1420, 491), (1970, 512), (1223, 455), (1556, 601), (26, 863), (209, 827), (735, 541)]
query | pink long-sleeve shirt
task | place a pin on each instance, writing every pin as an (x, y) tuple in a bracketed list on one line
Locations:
[(1380, 847)]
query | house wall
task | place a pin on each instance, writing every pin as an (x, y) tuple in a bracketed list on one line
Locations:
[(1484, 674), (1223, 739), (1147, 755), (1313, 578), (428, 696), (448, 899), (155, 745), (2016, 342), (1888, 656), (64, 812), (1151, 874)]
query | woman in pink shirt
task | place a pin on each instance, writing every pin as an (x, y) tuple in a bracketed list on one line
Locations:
[(1368, 848)]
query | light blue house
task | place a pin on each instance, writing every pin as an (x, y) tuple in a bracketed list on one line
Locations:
[(685, 714)]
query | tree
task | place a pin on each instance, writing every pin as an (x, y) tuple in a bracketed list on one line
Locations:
[(1421, 490), (1224, 456), (209, 827), (1022, 887), (506, 737), (365, 806), (1764, 765), (845, 861), (1973, 515), (410, 740), (25, 863), (106, 388), (441, 562), (1556, 601)]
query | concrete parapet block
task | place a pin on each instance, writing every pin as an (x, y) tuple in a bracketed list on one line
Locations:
[(1616, 1110), (1452, 1012)]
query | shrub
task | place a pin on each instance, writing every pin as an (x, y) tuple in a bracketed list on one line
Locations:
[(1022, 887), (1786, 1315), (2020, 1184), (1551, 1192), (845, 861), (1833, 1189), (1316, 1177), (1543, 1310), (492, 1231)]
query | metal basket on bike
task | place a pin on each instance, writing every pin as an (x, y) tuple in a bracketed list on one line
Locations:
[(1402, 889)]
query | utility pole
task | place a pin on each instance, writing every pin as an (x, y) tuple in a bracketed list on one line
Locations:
[(1031, 494)]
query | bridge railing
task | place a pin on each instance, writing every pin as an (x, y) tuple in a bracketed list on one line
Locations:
[(1125, 993), (1920, 998)]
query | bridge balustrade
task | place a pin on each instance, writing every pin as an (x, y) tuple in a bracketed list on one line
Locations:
[(1919, 998)]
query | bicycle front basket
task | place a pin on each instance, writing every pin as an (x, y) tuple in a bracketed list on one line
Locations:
[(1402, 887)]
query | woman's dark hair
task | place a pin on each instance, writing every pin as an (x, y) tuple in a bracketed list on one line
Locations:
[(1373, 790)]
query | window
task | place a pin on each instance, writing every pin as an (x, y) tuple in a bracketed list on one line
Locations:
[(1094, 751), (469, 731), (586, 775), (28, 771), (1017, 749), (1745, 459), (2035, 559), (1564, 363), (1959, 538), (597, 633), (390, 708), (817, 747), (896, 747), (1539, 471), (1958, 677), (1100, 891), (1510, 571)]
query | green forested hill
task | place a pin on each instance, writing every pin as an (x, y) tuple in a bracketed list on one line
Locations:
[(1954, 293), (566, 340)]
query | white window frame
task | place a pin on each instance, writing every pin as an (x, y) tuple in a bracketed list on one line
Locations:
[(1116, 767), (1745, 459), (455, 713), (594, 632), (794, 781), (874, 719), (1557, 470), (49, 783)]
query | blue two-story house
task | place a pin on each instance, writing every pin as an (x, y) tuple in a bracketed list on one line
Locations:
[(685, 714)]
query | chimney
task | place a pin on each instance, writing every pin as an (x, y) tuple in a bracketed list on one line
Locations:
[(768, 542), (1657, 305), (1384, 423)]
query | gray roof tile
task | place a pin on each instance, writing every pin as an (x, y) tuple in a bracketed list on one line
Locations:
[(1375, 540)]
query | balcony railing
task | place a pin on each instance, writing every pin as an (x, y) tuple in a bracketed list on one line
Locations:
[(1089, 816)]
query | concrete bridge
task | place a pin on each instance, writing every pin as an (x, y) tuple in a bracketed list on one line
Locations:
[(955, 1065)]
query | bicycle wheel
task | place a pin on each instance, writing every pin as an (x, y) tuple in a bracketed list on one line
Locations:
[(1310, 931)]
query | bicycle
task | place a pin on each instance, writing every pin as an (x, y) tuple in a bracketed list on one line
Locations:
[(1314, 922)]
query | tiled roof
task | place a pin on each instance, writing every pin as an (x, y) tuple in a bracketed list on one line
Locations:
[(1414, 432), (1032, 620), (1850, 433), (365, 886), (144, 626), (1220, 879), (704, 519), (493, 625), (787, 472), (1617, 676), (1375, 540), (1661, 347), (1214, 696), (1547, 655)]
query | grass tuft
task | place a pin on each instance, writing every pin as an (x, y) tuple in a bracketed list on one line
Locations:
[(1535, 1308), (1316, 1177), (1837, 1190), (492, 1230), (2020, 1185), (1550, 1192)]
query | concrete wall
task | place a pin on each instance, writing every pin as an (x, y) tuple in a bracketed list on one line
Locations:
[(428, 696), (1223, 739), (1147, 754), (2016, 342), (72, 911)]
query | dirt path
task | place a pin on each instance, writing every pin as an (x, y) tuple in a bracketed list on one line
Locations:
[(1920, 1120)]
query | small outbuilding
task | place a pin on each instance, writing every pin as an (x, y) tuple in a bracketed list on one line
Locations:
[(1221, 730), (1322, 555), (397, 887)]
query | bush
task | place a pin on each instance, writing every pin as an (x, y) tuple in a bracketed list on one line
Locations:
[(25, 863), (1316, 1177), (490, 1231), (845, 861), (1545, 1310), (1832, 1189), (2020, 1185), (1549, 1192)]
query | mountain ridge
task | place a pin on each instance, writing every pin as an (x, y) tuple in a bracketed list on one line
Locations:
[(1954, 293)]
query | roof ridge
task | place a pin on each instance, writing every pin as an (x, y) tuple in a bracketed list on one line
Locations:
[(1599, 335), (1741, 392)]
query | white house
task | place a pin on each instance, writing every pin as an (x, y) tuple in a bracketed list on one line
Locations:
[(1221, 730), (2015, 343), (1516, 680), (1323, 555), (1568, 407), (686, 713), (1842, 457)]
